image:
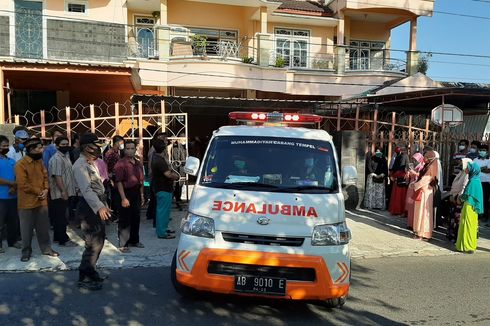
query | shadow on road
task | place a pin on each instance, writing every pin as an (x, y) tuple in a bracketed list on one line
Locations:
[(146, 297)]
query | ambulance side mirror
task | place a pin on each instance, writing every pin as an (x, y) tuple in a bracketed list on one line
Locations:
[(349, 175), (191, 165)]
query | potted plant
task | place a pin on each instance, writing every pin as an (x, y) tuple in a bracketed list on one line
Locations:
[(249, 60), (280, 62), (200, 42)]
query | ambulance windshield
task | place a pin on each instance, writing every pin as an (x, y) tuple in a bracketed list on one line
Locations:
[(270, 164)]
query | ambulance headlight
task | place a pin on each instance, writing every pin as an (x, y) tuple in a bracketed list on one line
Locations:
[(199, 226), (330, 234)]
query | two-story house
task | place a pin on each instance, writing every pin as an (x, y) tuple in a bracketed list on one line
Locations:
[(64, 52)]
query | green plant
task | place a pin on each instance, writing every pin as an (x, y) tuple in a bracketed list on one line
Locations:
[(423, 63), (247, 59), (200, 43), (320, 64), (280, 62)]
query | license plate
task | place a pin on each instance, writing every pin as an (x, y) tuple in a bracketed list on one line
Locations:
[(260, 285)]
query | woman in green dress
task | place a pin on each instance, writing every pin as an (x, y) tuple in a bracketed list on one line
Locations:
[(472, 200)]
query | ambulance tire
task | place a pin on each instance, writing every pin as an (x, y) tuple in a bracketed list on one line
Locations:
[(183, 290), (335, 302)]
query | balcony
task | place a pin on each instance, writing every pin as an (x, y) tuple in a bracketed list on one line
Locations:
[(222, 49)]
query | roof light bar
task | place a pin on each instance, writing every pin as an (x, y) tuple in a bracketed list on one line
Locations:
[(287, 118)]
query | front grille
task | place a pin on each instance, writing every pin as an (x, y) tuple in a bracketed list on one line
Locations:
[(263, 240), (289, 273)]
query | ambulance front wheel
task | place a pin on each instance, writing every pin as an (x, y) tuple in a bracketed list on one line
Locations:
[(183, 290), (336, 302)]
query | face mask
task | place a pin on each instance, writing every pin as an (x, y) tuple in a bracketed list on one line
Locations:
[(483, 153), (472, 150), (309, 162), (4, 151), (21, 147), (379, 154), (64, 149), (239, 164), (35, 156), (94, 152), (462, 147), (121, 147)]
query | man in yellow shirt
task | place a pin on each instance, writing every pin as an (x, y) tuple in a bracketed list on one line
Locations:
[(32, 194)]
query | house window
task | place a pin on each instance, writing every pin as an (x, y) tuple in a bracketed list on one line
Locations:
[(366, 55), (292, 46), (78, 7), (145, 37), (140, 20), (219, 41)]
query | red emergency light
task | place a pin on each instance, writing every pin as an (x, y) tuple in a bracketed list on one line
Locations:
[(275, 117)]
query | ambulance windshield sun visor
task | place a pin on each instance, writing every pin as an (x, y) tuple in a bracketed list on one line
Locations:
[(270, 164)]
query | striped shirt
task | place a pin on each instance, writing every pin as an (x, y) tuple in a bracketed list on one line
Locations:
[(60, 165)]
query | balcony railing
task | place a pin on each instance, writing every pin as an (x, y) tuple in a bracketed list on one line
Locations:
[(222, 49), (375, 64)]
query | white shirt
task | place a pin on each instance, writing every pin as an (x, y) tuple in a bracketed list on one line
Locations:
[(14, 155), (484, 177)]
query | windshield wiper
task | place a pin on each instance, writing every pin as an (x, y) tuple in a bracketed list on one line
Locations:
[(304, 188)]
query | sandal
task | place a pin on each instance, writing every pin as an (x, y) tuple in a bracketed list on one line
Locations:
[(25, 258), (137, 245), (124, 250), (168, 236)]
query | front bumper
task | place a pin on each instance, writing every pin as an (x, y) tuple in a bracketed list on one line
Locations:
[(321, 288)]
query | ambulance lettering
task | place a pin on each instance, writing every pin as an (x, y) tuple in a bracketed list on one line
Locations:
[(251, 208)]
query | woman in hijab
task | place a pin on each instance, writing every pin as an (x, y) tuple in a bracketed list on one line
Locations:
[(399, 188), (423, 223), (457, 189), (472, 199), (413, 174), (377, 169)]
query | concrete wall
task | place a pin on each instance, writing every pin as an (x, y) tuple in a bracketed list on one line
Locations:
[(4, 36), (88, 41)]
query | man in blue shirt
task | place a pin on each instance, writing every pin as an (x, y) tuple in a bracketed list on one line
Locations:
[(8, 197), (50, 150), (17, 151)]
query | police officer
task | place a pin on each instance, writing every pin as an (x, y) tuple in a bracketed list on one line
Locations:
[(93, 210)]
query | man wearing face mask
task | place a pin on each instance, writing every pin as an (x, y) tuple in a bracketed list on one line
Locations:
[(473, 151), (129, 177), (17, 150), (51, 149), (110, 158), (62, 187), (92, 210), (484, 163), (460, 154), (8, 197), (32, 190)]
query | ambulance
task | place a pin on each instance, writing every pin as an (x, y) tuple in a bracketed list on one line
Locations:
[(266, 217)]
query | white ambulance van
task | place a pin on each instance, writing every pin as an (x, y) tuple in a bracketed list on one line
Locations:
[(266, 216)]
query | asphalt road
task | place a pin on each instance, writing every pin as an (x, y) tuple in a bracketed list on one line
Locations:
[(449, 290)]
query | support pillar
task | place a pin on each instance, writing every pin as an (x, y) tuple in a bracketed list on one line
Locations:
[(412, 54), (163, 33), (264, 40), (340, 48), (2, 98)]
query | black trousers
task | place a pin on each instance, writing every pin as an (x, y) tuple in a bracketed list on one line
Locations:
[(115, 202), (129, 218), (178, 192), (9, 217), (93, 229), (59, 221), (151, 210), (486, 197)]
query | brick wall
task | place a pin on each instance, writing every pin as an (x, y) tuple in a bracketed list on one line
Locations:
[(90, 41), (4, 35)]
